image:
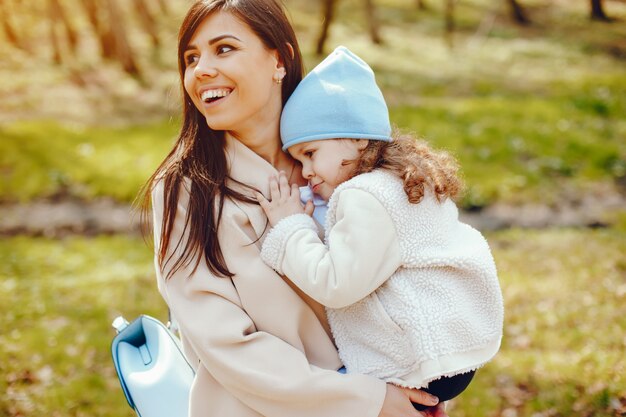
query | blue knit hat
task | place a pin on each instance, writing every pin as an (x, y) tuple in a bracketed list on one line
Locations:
[(339, 98)]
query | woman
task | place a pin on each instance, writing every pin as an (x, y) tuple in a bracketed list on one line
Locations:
[(260, 347)]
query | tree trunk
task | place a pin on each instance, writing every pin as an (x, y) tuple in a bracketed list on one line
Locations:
[(372, 23), (518, 14), (7, 28), (57, 55), (329, 14), (148, 21), (597, 11), (58, 16), (163, 7), (421, 5), (123, 51), (449, 16), (94, 15), (449, 23)]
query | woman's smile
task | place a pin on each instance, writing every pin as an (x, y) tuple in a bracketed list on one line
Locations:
[(213, 96), (229, 76)]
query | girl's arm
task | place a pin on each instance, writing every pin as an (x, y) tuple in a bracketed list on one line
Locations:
[(263, 371), (362, 251)]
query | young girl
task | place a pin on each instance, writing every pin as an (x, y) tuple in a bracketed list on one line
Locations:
[(412, 294)]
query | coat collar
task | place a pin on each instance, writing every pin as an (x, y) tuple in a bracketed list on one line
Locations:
[(245, 166)]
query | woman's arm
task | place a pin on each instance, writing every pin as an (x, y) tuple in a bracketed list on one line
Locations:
[(362, 251), (263, 371)]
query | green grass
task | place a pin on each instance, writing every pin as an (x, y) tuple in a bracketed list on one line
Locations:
[(529, 112), (43, 159), (563, 351), (524, 147), (59, 298), (512, 147)]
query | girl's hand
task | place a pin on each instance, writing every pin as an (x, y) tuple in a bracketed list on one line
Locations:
[(398, 403), (284, 200)]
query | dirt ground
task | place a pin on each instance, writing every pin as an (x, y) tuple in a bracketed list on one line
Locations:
[(105, 216)]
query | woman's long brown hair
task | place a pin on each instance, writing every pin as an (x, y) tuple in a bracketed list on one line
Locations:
[(199, 155)]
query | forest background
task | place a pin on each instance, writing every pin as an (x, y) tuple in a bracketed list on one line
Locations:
[(530, 95)]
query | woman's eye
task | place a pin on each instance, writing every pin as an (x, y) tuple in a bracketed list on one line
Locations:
[(308, 154), (191, 59), (222, 49)]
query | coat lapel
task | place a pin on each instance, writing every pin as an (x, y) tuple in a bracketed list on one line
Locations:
[(249, 168)]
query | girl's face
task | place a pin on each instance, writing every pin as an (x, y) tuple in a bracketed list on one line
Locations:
[(327, 163), (230, 75)]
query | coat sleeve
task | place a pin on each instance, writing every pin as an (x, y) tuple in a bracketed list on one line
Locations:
[(362, 251), (264, 372)]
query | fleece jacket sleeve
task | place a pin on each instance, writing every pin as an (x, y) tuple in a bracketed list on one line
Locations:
[(362, 251)]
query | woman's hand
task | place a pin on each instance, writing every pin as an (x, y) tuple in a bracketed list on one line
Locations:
[(284, 200), (437, 411), (398, 403)]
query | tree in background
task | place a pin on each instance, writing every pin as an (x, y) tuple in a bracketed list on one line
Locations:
[(163, 6), (449, 17), (148, 21), (106, 21), (597, 11), (8, 28), (517, 12), (59, 19), (98, 25), (372, 22), (328, 14), (121, 46)]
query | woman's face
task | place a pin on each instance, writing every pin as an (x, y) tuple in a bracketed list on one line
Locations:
[(230, 75)]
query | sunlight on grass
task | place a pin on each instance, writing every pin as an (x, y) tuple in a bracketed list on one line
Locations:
[(563, 351), (553, 140), (513, 147), (528, 114), (564, 345), (60, 298), (40, 159)]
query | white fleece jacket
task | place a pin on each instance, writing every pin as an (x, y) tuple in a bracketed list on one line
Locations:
[(412, 293)]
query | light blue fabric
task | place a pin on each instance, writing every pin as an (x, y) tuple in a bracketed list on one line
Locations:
[(339, 98), (321, 205)]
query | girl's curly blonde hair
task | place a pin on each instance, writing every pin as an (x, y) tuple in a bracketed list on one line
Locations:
[(416, 163)]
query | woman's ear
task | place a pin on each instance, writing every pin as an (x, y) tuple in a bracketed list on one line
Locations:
[(279, 70), (280, 64), (291, 51)]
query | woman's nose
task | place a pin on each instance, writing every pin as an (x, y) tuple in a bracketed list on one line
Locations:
[(205, 68)]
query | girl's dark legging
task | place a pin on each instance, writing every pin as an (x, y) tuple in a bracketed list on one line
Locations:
[(446, 388)]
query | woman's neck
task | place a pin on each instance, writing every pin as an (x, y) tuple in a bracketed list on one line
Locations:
[(264, 144), (268, 147)]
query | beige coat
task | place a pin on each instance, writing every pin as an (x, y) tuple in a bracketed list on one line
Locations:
[(259, 347)]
